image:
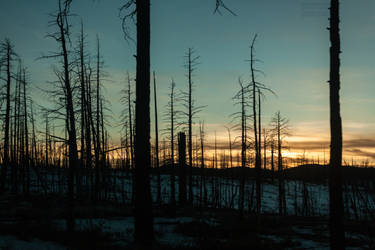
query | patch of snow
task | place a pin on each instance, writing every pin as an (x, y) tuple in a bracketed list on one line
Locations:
[(13, 243)]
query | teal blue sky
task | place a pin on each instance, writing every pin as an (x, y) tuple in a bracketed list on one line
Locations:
[(293, 44)]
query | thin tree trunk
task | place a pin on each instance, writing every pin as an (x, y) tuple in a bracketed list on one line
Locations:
[(173, 189), (157, 143), (4, 169), (72, 141), (190, 121), (259, 163), (182, 166), (243, 153), (130, 119), (27, 156)]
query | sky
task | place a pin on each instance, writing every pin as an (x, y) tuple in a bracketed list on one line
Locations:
[(292, 44)]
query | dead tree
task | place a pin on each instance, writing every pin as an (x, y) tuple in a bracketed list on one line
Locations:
[(256, 92), (127, 100), (202, 188), (99, 141), (265, 144), (272, 141), (143, 203), (182, 168), (280, 129), (62, 37), (337, 233), (88, 115), (171, 117), (241, 100), (192, 110), (26, 131), (8, 55), (230, 145), (157, 143), (83, 102)]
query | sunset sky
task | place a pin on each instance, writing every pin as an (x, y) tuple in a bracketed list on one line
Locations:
[(293, 44)]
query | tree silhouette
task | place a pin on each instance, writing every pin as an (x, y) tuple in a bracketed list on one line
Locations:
[(280, 130), (143, 202), (157, 142), (62, 37), (127, 119), (241, 98), (192, 111), (171, 117), (256, 92), (8, 55), (336, 208)]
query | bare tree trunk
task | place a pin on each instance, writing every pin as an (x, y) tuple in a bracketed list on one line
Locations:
[(27, 156), (182, 165), (130, 119), (203, 192), (15, 141), (282, 202), (4, 169), (259, 163), (157, 143), (190, 121), (98, 165), (272, 160), (172, 117), (264, 150), (143, 203), (62, 23), (46, 142), (241, 199), (83, 110), (337, 233)]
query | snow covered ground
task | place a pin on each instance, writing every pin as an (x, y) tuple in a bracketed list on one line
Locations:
[(13, 243), (306, 199), (301, 198)]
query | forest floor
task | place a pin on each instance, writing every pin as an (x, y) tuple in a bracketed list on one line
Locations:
[(37, 222)]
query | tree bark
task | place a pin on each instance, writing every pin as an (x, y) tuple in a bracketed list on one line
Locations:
[(337, 233), (143, 204)]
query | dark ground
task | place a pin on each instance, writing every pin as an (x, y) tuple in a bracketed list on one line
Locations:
[(29, 218)]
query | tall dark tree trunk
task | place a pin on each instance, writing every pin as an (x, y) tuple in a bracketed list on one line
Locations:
[(143, 204), (4, 169), (88, 117), (241, 199), (46, 142), (280, 127), (272, 160), (157, 143), (182, 168), (259, 163), (172, 117), (264, 150), (83, 109), (190, 126), (27, 155), (62, 23), (257, 138), (337, 233), (130, 121), (203, 176), (14, 160), (280, 168), (98, 165)]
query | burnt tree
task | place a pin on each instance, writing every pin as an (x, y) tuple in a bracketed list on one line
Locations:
[(336, 208)]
